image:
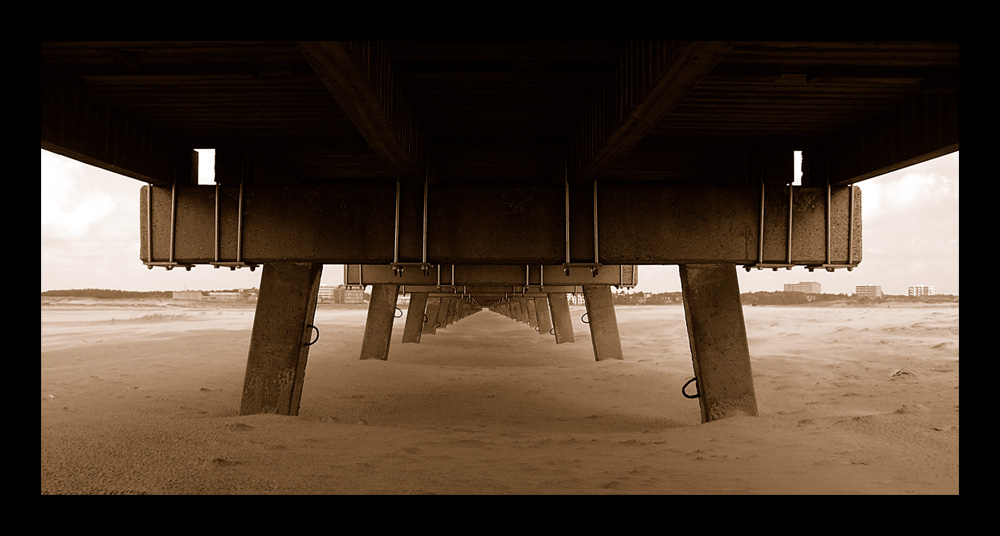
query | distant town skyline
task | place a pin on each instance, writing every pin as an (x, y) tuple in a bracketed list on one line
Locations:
[(90, 238)]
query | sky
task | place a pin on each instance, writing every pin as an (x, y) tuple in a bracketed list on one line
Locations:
[(90, 238)]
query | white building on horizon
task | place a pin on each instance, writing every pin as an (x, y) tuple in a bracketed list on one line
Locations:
[(868, 291), (920, 290), (807, 287)]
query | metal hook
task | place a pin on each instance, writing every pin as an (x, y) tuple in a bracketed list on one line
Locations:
[(684, 389), (312, 342)]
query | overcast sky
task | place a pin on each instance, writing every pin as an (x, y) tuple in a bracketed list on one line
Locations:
[(90, 238)]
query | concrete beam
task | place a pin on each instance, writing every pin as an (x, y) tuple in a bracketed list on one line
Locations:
[(280, 340), (645, 222), (444, 312), (433, 305), (449, 291), (378, 327), (718, 339), (530, 316), (561, 320), (456, 277), (544, 319), (603, 322), (415, 317)]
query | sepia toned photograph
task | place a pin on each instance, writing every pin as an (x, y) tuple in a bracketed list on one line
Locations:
[(499, 268)]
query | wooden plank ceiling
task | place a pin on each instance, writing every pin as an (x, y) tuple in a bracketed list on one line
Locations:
[(520, 110)]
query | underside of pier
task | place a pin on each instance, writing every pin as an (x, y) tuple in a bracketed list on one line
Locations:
[(500, 175)]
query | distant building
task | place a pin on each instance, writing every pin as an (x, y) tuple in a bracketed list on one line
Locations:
[(810, 287), (576, 299), (325, 294), (920, 290), (233, 295), (225, 296), (868, 291), (341, 294)]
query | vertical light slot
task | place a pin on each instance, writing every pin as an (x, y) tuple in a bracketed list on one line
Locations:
[(797, 169), (206, 167)]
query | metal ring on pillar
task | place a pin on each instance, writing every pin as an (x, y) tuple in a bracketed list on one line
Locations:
[(425, 318), (585, 318), (552, 330), (312, 342), (684, 389), (400, 311)]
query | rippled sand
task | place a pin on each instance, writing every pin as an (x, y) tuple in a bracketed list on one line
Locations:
[(144, 400)]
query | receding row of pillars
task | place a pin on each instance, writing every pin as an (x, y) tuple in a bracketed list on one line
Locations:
[(283, 331)]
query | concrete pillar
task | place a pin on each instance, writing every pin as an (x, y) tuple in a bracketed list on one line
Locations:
[(452, 314), (532, 317), (542, 312), (378, 327), (415, 317), (430, 326), (603, 322), (562, 322), (279, 342), (718, 339), (442, 319)]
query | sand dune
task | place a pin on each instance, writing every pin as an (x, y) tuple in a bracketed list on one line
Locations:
[(144, 400)]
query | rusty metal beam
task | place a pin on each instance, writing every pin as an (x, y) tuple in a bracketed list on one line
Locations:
[(638, 223)]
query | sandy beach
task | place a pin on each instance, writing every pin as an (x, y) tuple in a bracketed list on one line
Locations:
[(144, 399)]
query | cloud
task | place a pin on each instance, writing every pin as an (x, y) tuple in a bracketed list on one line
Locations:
[(911, 226), (909, 194), (70, 206)]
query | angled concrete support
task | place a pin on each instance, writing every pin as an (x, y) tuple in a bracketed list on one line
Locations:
[(452, 311), (415, 317), (718, 338), (443, 311), (433, 305), (603, 322), (378, 327), (279, 342), (542, 312), (561, 321), (532, 317)]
